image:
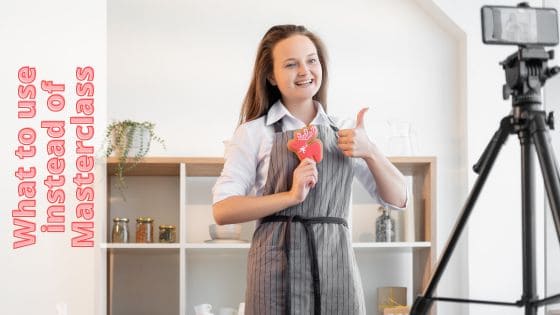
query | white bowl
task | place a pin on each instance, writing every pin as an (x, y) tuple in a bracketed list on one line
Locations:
[(225, 232)]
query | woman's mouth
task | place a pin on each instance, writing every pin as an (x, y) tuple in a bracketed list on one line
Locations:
[(304, 83)]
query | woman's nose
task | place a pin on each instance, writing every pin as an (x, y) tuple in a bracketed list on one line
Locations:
[(303, 69)]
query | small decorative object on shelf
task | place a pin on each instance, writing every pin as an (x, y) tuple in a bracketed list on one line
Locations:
[(167, 234), (225, 232), (144, 230), (129, 139), (203, 309), (384, 227), (120, 230), (392, 301), (397, 310)]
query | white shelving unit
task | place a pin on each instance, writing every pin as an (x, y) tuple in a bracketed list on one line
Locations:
[(170, 278)]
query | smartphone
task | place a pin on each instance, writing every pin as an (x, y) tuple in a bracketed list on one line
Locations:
[(522, 26)]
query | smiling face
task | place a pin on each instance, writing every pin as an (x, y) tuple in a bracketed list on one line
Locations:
[(297, 71)]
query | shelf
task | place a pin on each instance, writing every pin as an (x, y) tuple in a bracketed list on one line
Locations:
[(396, 247), (177, 190), (217, 246), (169, 166), (204, 248), (411, 245), (212, 166), (392, 245), (139, 246), (354, 245)]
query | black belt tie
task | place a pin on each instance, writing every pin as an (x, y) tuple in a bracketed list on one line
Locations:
[(307, 224)]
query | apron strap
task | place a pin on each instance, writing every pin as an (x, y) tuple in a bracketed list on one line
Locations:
[(332, 124), (312, 246), (278, 126)]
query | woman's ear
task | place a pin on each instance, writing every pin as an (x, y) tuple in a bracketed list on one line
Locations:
[(270, 79)]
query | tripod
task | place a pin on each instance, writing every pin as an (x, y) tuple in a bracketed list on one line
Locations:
[(526, 72)]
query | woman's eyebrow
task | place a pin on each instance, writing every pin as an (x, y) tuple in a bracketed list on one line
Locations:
[(293, 59), (289, 59)]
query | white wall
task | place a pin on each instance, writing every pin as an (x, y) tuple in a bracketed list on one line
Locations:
[(185, 64), (552, 103), (552, 100)]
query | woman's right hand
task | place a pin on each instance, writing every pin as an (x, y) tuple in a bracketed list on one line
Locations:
[(305, 177), (237, 209)]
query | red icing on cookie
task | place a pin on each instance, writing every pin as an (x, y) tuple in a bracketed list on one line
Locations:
[(305, 144)]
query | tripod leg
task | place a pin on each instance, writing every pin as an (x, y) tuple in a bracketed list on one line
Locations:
[(549, 168), (423, 303), (528, 222)]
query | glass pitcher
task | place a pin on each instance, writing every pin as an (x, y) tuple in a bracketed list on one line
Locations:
[(400, 138)]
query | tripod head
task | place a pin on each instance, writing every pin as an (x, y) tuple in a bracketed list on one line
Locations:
[(526, 73), (530, 29)]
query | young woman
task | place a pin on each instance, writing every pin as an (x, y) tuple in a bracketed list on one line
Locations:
[(301, 259)]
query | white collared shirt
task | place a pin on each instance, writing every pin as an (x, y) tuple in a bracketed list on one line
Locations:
[(247, 155)]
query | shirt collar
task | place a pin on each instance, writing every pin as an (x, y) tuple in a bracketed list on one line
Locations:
[(278, 111)]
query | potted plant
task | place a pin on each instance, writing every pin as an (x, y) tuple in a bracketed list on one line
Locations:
[(129, 139)]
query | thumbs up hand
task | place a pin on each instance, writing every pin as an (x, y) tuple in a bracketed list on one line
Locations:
[(355, 142)]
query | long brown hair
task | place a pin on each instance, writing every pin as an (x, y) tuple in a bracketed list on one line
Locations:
[(261, 95)]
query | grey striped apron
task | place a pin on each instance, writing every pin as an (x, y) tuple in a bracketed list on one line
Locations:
[(301, 259)]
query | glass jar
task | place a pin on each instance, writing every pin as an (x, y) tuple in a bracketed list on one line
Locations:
[(167, 234), (120, 230), (144, 230), (385, 227)]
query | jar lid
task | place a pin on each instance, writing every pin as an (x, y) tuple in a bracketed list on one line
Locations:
[(166, 227), (144, 220), (117, 219)]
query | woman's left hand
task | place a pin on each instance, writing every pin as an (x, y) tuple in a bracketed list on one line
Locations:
[(355, 142)]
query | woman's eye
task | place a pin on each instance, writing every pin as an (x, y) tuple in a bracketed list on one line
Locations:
[(313, 60), (290, 65)]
